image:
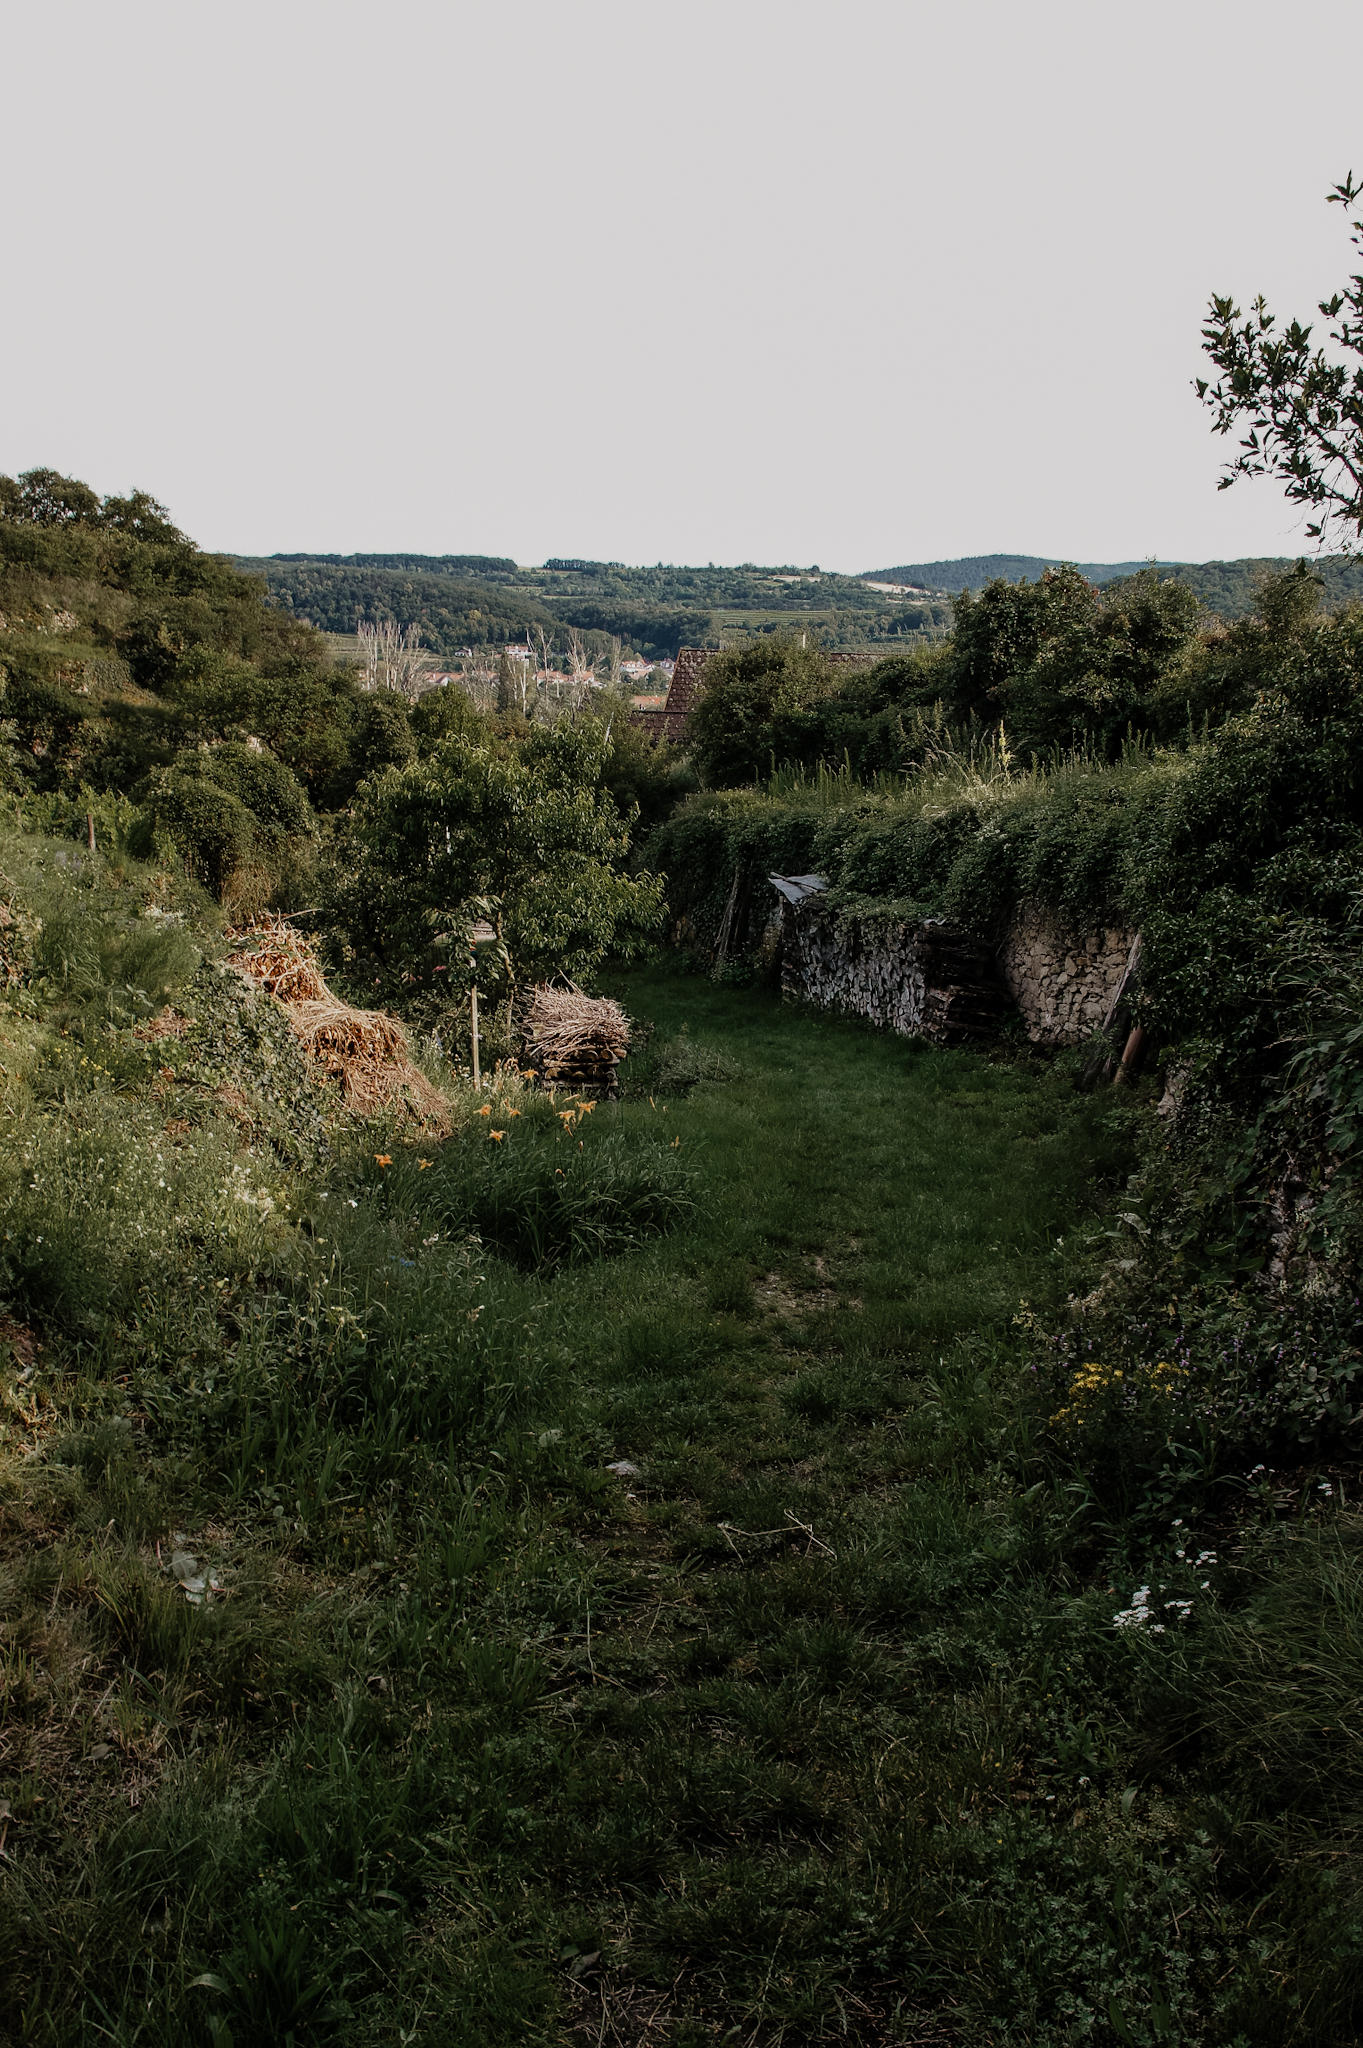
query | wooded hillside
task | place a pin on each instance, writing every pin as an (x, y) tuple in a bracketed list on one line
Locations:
[(653, 611)]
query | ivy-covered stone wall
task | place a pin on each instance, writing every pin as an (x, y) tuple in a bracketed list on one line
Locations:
[(929, 979), (1062, 981)]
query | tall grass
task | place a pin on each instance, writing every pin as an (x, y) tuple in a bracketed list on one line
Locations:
[(700, 1634), (955, 764)]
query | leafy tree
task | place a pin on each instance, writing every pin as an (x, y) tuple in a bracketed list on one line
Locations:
[(646, 780), (1001, 633), (264, 785), (44, 497), (213, 692), (189, 815), (236, 817), (383, 736), (1108, 667), (746, 692), (308, 716), (445, 713), (1304, 412), (1064, 666), (1232, 589), (522, 835)]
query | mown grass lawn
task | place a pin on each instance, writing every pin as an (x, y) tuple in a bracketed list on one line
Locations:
[(813, 1725)]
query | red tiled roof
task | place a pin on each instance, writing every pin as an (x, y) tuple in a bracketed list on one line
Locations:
[(670, 722)]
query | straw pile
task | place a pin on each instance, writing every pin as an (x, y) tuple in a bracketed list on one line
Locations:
[(280, 959), (572, 1040), (365, 1050)]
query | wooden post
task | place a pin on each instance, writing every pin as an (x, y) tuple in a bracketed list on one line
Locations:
[(473, 1011), (1134, 1053), (90, 829)]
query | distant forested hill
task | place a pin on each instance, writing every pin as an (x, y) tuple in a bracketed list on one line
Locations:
[(476, 601), (652, 610), (972, 572), (1224, 587), (450, 612), (484, 567), (1228, 588)]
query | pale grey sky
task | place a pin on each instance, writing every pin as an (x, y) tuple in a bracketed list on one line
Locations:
[(760, 280)]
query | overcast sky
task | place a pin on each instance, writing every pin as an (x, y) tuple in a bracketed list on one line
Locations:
[(724, 280)]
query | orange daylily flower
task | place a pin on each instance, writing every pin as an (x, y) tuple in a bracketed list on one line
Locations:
[(498, 1135), (486, 1110), (383, 1159)]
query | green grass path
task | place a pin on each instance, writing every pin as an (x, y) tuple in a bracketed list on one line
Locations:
[(814, 1726), (767, 1779)]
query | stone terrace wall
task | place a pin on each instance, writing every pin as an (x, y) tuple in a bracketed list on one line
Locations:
[(929, 981), (1062, 983)]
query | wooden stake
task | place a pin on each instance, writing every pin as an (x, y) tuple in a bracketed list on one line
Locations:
[(473, 1011), (90, 828)]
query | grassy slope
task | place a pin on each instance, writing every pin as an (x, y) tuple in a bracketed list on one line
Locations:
[(819, 1728)]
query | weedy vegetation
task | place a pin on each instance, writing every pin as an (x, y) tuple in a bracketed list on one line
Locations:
[(851, 1541), (611, 1574)]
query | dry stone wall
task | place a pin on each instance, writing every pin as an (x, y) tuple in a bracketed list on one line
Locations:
[(930, 981), (1062, 982)]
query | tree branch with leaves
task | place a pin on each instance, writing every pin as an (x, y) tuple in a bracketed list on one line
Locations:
[(1303, 408)]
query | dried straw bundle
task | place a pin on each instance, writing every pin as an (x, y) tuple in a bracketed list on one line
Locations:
[(281, 959), (365, 1050), (574, 1040)]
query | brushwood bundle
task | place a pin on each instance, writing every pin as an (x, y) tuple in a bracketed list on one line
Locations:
[(281, 959), (573, 1040), (365, 1050)]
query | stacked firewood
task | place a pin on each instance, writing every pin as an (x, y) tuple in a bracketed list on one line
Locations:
[(572, 1040), (922, 980)]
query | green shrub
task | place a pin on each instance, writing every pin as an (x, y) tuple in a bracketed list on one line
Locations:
[(237, 818)]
